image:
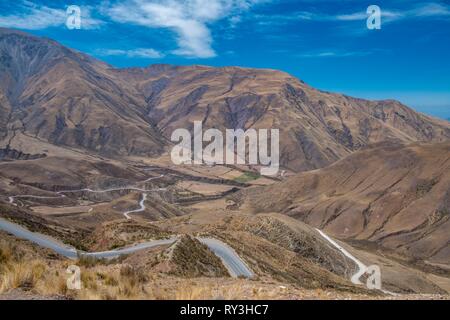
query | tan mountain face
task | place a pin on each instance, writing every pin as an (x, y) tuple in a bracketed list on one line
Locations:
[(70, 99), (5, 110), (397, 197), (317, 128)]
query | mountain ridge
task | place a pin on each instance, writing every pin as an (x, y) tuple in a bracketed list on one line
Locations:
[(80, 102)]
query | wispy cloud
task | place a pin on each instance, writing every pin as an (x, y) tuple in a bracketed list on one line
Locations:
[(386, 14), (420, 11), (133, 53), (432, 10), (31, 16), (335, 54), (189, 19)]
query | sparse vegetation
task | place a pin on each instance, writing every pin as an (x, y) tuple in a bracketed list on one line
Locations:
[(113, 235), (247, 177), (425, 186), (193, 259)]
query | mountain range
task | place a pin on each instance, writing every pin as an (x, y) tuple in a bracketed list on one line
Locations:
[(52, 93)]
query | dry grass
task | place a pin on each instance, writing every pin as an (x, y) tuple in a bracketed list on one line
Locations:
[(24, 267), (124, 282), (100, 279), (21, 275), (108, 281), (17, 270)]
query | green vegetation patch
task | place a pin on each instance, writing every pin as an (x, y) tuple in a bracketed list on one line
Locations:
[(247, 177)]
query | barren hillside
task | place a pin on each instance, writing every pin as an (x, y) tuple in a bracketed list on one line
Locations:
[(396, 197)]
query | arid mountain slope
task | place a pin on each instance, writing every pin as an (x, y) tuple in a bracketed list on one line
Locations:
[(68, 98), (396, 197), (55, 94), (5, 110), (316, 128)]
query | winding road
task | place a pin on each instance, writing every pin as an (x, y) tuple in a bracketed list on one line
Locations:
[(141, 204), (126, 214), (234, 264), (11, 198), (118, 189), (362, 268), (153, 178), (112, 189), (231, 260)]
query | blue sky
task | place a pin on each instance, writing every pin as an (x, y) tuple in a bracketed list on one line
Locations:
[(323, 42)]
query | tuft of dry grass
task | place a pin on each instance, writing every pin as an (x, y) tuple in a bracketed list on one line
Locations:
[(23, 274)]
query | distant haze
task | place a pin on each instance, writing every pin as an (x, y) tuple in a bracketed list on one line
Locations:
[(442, 112), (430, 103)]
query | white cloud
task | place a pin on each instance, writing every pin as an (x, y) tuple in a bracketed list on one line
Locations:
[(352, 16), (335, 54), (134, 53), (421, 11), (424, 10), (36, 17), (189, 19), (432, 10)]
